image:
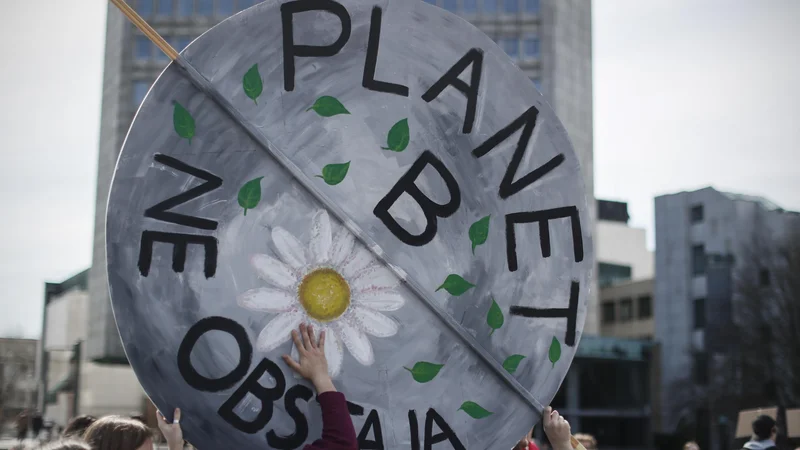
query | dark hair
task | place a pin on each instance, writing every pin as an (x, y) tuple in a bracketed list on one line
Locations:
[(78, 425), (117, 433), (139, 418), (66, 444), (763, 426)]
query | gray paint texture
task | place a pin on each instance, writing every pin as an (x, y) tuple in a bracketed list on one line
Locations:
[(419, 43)]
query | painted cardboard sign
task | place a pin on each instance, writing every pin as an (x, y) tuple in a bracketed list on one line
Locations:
[(379, 169)]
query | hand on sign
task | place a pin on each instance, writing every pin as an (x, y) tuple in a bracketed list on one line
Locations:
[(312, 364), (172, 431), (557, 429)]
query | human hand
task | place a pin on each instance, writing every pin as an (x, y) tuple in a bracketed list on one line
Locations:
[(172, 431), (312, 364), (557, 429)]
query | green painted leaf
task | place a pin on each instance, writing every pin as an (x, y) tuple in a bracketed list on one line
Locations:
[(495, 317), (252, 84), (333, 174), (555, 351), (455, 285), (478, 232), (399, 136), (183, 122), (474, 410), (250, 194), (424, 371), (512, 362), (327, 106)]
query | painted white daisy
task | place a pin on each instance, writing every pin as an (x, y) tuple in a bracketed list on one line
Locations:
[(336, 285)]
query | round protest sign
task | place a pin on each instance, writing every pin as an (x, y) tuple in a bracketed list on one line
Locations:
[(380, 170)]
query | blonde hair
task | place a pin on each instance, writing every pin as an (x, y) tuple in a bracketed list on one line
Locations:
[(587, 440), (691, 444), (117, 433)]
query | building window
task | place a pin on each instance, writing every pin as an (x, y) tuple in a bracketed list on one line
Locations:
[(244, 4), (470, 6), (532, 6), (626, 309), (225, 8), (165, 8), (511, 47), (142, 48), (609, 274), (205, 7), (538, 83), (450, 5), (185, 8), (181, 42), (645, 306), (531, 47), (140, 89), (698, 260), (609, 311), (144, 7), (700, 369), (511, 6), (699, 313), (763, 277), (696, 214), (490, 6)]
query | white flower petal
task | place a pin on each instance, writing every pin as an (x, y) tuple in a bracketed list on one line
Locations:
[(278, 330), (374, 323), (380, 299), (376, 276), (357, 343), (267, 299), (358, 261), (342, 246), (320, 245), (333, 352), (291, 250), (274, 272)]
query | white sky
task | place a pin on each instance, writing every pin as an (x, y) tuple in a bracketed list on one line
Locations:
[(687, 94)]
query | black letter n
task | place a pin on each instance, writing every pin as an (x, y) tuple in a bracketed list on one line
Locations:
[(431, 209)]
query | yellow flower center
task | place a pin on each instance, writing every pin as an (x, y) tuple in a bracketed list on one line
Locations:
[(324, 294)]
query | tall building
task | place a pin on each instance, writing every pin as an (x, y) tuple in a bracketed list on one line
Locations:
[(622, 253), (17, 377), (549, 39), (702, 240)]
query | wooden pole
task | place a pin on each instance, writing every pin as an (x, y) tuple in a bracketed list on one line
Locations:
[(145, 28)]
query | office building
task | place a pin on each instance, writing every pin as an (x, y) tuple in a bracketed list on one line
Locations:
[(17, 377), (702, 238), (622, 253), (626, 310), (69, 383), (549, 39)]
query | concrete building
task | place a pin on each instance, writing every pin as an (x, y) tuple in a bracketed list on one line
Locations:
[(622, 253), (17, 377), (701, 239), (70, 383), (627, 310), (550, 40)]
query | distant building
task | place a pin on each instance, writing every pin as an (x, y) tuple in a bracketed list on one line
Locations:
[(627, 310), (17, 377), (608, 391), (70, 384), (622, 253), (701, 238)]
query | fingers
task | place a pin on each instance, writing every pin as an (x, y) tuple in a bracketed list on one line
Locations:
[(291, 363), (161, 417), (176, 417), (306, 337), (312, 341), (322, 340), (298, 343)]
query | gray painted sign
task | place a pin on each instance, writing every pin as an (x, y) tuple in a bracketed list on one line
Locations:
[(379, 169)]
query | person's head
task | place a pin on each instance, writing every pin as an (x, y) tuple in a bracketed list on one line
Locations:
[(691, 445), (78, 425), (66, 444), (587, 440), (119, 433), (765, 427), (139, 418)]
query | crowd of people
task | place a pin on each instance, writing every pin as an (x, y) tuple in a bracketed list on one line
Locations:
[(338, 433)]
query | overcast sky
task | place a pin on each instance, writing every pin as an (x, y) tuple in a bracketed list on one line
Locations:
[(687, 94)]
